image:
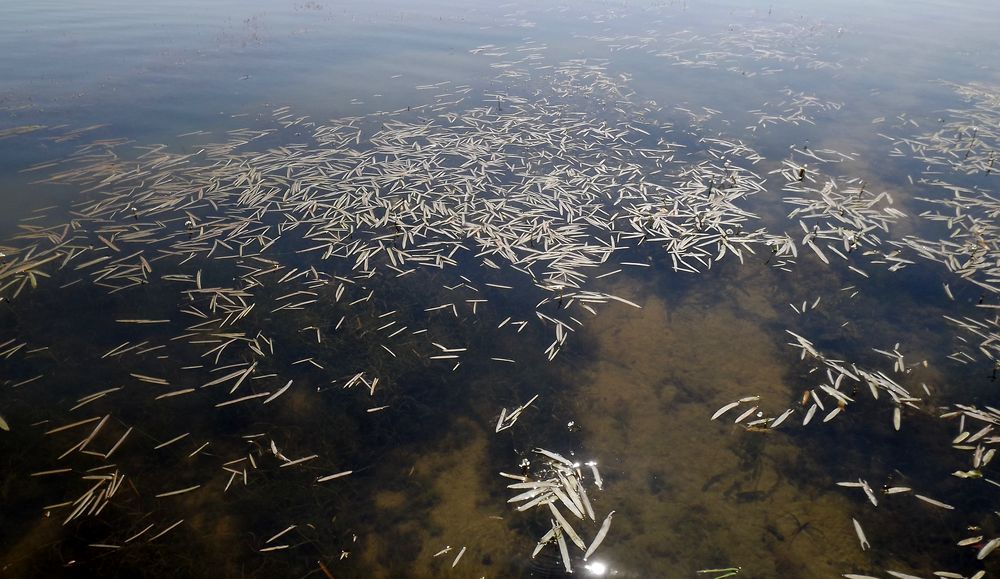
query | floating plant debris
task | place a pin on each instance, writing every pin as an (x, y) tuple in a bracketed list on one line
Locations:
[(738, 254)]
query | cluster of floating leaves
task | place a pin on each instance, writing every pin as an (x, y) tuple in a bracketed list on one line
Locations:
[(765, 50), (316, 221), (561, 482), (268, 248)]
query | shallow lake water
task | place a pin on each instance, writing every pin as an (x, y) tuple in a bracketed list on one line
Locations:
[(316, 289)]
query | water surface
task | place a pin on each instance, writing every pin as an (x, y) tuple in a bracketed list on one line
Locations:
[(423, 215)]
